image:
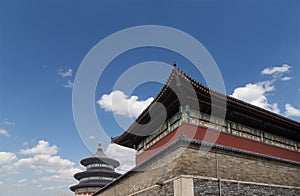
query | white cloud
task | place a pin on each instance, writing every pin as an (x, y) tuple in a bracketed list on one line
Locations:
[(256, 94), (44, 171), (44, 163), (120, 104), (69, 84), (67, 74), (4, 132), (64, 73), (291, 111), (50, 188), (276, 70), (286, 78), (41, 148), (126, 156), (7, 158), (7, 122), (62, 175), (92, 137), (22, 180)]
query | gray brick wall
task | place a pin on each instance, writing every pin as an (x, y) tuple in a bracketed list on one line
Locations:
[(232, 166), (164, 190), (211, 187)]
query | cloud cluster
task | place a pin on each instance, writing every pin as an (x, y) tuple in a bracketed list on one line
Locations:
[(256, 94), (276, 70), (7, 122), (44, 163), (126, 156), (69, 84), (66, 74), (45, 160), (7, 158), (41, 148), (291, 111), (46, 167), (22, 180), (119, 103), (4, 132), (286, 78)]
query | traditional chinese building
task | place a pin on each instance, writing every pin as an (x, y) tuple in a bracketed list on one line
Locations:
[(206, 147), (100, 170)]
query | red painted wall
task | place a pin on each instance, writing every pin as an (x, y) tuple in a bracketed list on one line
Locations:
[(198, 133)]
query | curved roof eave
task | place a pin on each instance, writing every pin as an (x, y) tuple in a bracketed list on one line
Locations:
[(125, 139)]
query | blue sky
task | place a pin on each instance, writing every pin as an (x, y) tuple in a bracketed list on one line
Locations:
[(255, 43)]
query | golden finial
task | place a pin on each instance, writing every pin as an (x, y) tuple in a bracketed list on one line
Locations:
[(100, 145)]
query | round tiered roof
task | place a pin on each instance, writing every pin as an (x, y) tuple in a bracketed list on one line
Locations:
[(88, 185), (100, 157), (103, 173), (100, 171)]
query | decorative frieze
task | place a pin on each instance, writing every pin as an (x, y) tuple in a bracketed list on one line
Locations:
[(186, 115)]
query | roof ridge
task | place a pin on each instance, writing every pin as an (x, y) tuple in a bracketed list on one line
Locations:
[(228, 97), (201, 88)]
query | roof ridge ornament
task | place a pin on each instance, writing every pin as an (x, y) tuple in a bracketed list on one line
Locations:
[(99, 145)]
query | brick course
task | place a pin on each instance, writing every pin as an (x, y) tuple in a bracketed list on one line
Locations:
[(204, 187), (150, 179)]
